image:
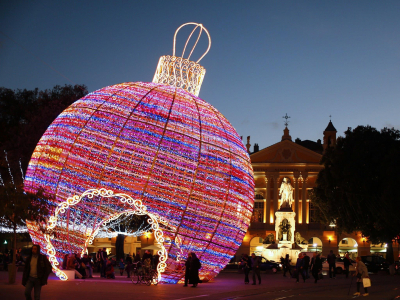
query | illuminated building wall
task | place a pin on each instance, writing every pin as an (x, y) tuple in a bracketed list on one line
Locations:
[(159, 144)]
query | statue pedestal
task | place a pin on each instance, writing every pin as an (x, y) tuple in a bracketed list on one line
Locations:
[(288, 236), (284, 237)]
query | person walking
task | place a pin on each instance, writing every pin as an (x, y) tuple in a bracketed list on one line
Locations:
[(246, 263), (331, 258), (316, 266), (255, 265), (147, 259), (110, 274), (87, 262), (156, 261), (361, 272), (65, 261), (128, 265), (195, 266), (121, 266), (98, 261), (103, 261), (36, 272), (137, 258), (71, 265), (306, 265), (286, 266), (347, 263), (187, 269), (299, 268)]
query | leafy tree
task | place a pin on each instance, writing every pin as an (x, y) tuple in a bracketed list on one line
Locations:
[(24, 117), (26, 114), (358, 187), (17, 206)]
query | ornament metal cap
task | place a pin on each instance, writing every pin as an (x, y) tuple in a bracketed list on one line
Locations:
[(182, 72)]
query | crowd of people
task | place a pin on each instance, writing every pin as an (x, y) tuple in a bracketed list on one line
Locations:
[(7, 257), (37, 268), (106, 266), (304, 266)]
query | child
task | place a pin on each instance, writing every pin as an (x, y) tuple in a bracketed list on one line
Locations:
[(121, 266), (109, 270)]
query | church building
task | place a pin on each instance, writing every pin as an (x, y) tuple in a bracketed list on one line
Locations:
[(298, 164)]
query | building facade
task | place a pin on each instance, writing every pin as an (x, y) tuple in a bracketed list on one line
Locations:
[(299, 163)]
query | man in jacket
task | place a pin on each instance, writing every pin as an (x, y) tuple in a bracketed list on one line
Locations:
[(316, 266), (306, 264), (256, 264), (103, 260), (37, 270), (300, 268), (347, 263), (331, 258)]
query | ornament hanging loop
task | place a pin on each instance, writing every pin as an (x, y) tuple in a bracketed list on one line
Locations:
[(187, 41)]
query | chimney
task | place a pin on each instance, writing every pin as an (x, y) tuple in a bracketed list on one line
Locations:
[(256, 148)]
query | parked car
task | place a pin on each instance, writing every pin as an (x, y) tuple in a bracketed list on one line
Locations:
[(270, 265), (375, 263), (339, 265)]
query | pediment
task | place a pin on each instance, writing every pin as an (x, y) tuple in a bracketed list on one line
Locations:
[(285, 152)]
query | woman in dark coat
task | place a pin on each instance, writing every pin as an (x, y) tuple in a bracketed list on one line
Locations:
[(187, 269), (195, 266)]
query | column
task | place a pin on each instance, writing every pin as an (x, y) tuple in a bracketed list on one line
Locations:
[(276, 183), (304, 199), (296, 196), (267, 205)]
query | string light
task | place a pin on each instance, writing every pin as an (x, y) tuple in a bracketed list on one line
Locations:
[(113, 228), (9, 170), (157, 143), (162, 146), (22, 172)]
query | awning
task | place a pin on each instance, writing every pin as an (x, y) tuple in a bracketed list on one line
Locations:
[(101, 246), (151, 247)]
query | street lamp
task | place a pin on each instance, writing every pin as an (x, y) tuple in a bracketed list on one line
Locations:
[(147, 234)]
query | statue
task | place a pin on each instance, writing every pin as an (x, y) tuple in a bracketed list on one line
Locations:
[(298, 239), (286, 193), (269, 239), (284, 228)]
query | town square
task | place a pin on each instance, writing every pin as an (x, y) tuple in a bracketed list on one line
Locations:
[(237, 150)]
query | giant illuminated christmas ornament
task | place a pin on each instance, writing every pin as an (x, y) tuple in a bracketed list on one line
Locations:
[(152, 149)]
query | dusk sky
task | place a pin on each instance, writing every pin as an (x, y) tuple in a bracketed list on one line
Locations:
[(309, 59)]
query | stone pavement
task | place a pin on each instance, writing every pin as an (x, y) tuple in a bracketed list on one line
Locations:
[(226, 286)]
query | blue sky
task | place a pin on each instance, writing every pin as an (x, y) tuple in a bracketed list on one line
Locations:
[(309, 59)]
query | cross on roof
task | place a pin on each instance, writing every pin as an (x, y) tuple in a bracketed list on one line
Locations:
[(286, 117)]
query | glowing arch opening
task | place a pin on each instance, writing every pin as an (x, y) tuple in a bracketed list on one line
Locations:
[(136, 208)]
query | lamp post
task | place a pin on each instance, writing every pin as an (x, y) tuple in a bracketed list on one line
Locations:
[(147, 236)]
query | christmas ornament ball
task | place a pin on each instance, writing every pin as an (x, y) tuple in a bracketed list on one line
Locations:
[(156, 143)]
